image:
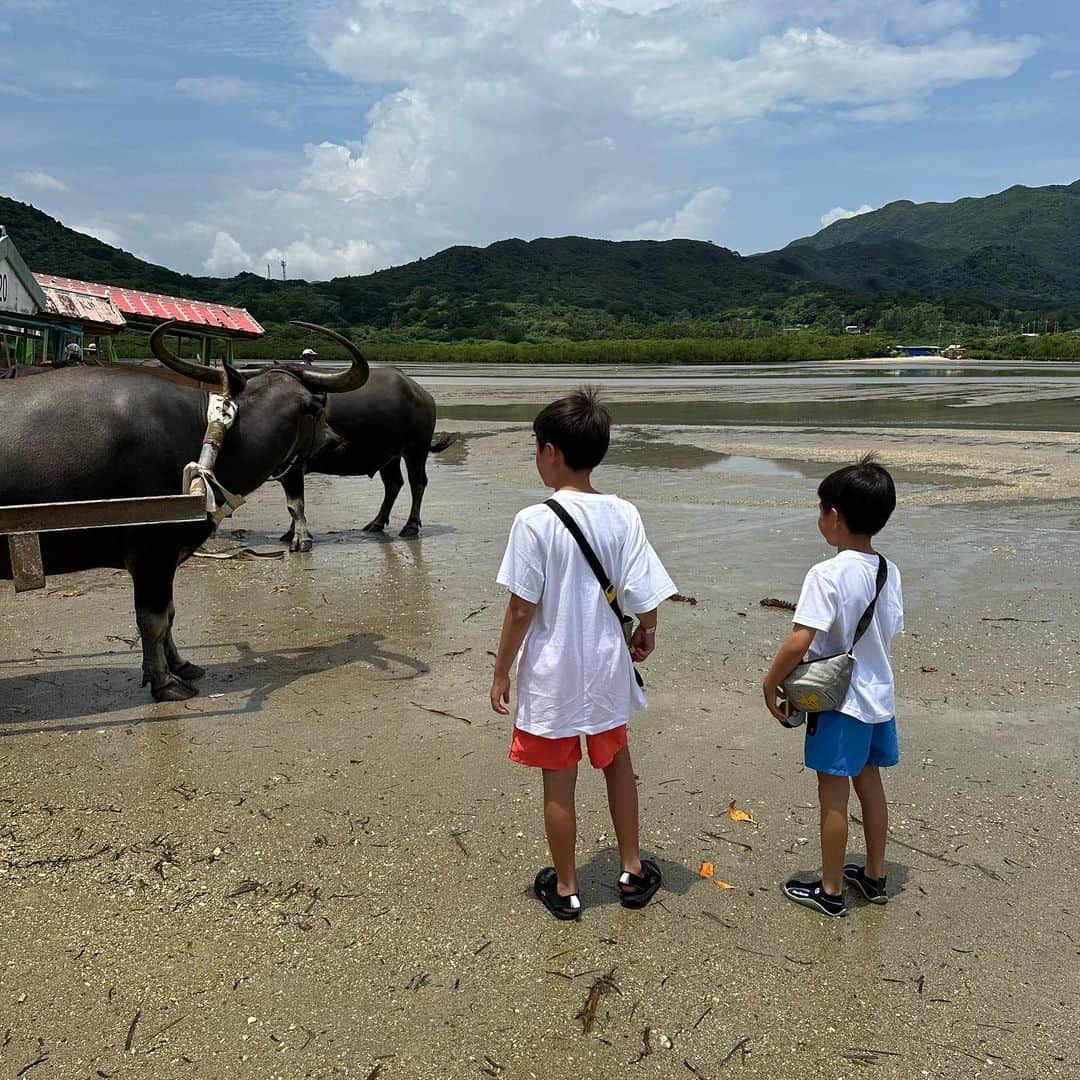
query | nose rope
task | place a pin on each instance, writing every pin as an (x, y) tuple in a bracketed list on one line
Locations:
[(199, 478)]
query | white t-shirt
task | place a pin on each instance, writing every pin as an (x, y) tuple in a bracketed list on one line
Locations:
[(834, 596), (575, 675)]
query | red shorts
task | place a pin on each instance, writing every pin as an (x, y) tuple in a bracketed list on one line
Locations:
[(543, 753)]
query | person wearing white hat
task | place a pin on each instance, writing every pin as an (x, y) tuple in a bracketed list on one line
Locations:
[(308, 357)]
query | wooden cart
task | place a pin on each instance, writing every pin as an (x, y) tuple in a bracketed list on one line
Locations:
[(23, 525)]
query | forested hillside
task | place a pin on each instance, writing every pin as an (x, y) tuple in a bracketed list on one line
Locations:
[(1016, 248), (877, 271)]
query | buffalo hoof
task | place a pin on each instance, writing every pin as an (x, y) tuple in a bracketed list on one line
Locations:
[(173, 690), (189, 672), (286, 538), (375, 526), (411, 530), (301, 545)]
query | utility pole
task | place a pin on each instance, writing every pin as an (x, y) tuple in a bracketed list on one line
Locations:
[(283, 265), (267, 271)]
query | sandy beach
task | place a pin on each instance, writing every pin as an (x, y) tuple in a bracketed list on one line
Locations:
[(321, 866)]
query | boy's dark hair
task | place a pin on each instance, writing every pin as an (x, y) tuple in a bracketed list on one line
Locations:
[(864, 494), (579, 425)]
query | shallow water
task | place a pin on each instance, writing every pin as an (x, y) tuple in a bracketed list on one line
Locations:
[(1048, 414), (661, 376), (641, 449)]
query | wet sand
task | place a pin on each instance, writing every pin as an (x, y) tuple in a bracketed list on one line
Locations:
[(321, 867)]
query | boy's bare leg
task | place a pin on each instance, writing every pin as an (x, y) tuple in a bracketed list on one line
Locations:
[(833, 797), (875, 815), (622, 796), (560, 824)]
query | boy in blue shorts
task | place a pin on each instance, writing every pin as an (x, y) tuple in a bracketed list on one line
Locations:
[(854, 743)]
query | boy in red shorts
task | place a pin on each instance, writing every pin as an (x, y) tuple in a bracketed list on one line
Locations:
[(575, 675)]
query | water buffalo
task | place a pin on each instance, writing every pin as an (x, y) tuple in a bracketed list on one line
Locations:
[(369, 431), (89, 433), (20, 371)]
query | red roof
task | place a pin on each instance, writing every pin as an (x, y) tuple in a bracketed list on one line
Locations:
[(82, 307), (133, 303)]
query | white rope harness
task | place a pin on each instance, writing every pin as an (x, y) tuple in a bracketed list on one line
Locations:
[(199, 478)]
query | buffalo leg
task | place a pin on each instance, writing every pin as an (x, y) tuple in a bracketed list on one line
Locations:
[(392, 484), (153, 608), (181, 668), (416, 463), (298, 538)]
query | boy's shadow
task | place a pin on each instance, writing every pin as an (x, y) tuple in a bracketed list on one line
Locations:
[(598, 878), (897, 876)]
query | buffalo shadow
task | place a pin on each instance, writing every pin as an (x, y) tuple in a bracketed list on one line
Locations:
[(81, 692)]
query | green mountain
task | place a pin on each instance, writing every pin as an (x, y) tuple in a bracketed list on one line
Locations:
[(460, 292), (1015, 248), (577, 289), (1043, 222)]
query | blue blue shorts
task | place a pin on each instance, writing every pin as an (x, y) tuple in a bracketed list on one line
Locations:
[(843, 745)]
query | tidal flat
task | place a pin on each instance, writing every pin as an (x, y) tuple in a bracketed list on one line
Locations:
[(322, 866)]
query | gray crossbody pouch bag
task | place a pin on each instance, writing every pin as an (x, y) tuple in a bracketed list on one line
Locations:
[(821, 685)]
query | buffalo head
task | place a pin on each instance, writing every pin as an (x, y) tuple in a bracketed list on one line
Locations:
[(279, 409)]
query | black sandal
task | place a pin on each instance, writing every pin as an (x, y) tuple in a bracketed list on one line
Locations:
[(636, 890), (545, 886)]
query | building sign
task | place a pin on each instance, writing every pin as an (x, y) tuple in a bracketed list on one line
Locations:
[(20, 294), (13, 293)]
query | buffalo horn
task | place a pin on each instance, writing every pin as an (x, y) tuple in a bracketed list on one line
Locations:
[(198, 372), (352, 379)]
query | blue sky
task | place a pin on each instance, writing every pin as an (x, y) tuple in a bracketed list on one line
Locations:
[(354, 134)]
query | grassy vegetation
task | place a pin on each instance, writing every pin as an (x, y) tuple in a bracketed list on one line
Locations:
[(1044, 347)]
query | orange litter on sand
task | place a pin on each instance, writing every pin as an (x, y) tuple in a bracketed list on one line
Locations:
[(708, 870), (739, 815)]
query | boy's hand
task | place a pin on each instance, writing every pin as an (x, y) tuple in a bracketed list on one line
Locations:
[(784, 663), (642, 643), (500, 694), (779, 708)]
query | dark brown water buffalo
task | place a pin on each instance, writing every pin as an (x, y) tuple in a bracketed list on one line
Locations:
[(20, 371), (91, 433), (368, 431)]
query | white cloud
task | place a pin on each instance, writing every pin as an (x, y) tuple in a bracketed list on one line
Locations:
[(893, 112), (696, 219), (41, 181), (324, 258), (100, 231), (394, 160), (1065, 73), (226, 257), (500, 118), (838, 213), (217, 89)]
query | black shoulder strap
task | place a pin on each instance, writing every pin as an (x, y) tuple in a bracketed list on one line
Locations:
[(610, 592), (597, 567), (868, 614)]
